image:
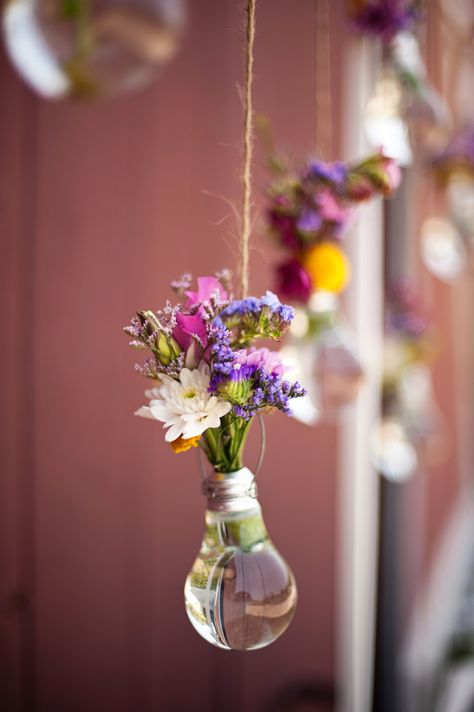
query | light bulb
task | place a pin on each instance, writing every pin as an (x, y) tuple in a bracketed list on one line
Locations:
[(324, 360), (90, 49), (422, 417), (383, 122), (426, 112), (391, 452), (442, 249), (460, 194), (338, 369), (240, 594)]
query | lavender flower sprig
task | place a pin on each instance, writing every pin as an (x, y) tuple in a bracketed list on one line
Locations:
[(251, 318)]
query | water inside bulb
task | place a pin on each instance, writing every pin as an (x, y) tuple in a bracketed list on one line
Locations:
[(240, 594)]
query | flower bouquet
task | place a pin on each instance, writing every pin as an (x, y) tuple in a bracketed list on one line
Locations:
[(210, 378), (309, 213), (210, 381)]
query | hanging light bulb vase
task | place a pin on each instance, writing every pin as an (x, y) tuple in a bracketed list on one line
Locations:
[(240, 593), (91, 49), (322, 352)]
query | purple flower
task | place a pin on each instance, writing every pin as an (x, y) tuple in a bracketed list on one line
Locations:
[(460, 148), (309, 221), (270, 391), (385, 18), (404, 313), (293, 282), (251, 318), (261, 358), (236, 387), (333, 172)]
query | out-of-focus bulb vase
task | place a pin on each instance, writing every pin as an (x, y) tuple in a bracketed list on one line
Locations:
[(90, 49), (240, 594), (322, 355)]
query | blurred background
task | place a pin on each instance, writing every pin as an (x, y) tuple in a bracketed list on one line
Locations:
[(102, 203)]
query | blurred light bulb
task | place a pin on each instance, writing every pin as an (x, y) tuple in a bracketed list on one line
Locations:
[(298, 358), (383, 123), (460, 194), (391, 452), (442, 249), (90, 49), (323, 358), (422, 417), (240, 594)]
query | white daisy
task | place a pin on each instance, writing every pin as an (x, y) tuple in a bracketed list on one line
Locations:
[(185, 406)]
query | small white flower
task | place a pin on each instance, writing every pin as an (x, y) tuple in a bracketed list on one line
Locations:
[(185, 406)]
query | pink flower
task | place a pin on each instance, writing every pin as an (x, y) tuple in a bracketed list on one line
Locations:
[(330, 209), (393, 172), (261, 358), (207, 287), (187, 326)]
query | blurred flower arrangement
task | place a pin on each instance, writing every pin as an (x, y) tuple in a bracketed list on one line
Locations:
[(210, 380), (411, 429), (406, 113), (309, 213), (384, 19)]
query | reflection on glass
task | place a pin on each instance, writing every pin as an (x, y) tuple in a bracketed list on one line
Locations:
[(91, 49)]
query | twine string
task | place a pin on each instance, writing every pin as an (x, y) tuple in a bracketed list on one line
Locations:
[(323, 104), (246, 175)]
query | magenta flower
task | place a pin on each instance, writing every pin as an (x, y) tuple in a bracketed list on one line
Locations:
[(207, 287), (286, 228), (188, 326), (293, 282)]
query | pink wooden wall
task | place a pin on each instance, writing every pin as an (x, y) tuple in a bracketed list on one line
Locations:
[(100, 207)]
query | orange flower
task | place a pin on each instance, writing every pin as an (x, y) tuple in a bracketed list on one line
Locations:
[(328, 267), (183, 444)]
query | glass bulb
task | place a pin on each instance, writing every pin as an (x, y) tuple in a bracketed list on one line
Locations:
[(383, 122), (325, 361), (442, 249), (338, 369), (91, 49), (391, 452), (240, 593), (422, 417), (460, 194)]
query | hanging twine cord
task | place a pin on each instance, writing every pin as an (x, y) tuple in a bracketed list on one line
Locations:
[(246, 175), (323, 105)]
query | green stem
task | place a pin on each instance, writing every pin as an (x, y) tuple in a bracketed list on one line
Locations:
[(224, 445)]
